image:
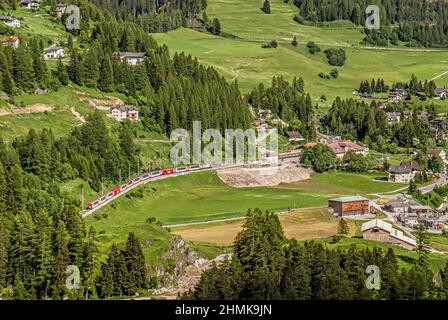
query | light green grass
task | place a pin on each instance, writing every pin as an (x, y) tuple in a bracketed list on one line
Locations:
[(243, 59), (344, 183)]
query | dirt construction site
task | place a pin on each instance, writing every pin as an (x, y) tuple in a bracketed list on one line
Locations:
[(264, 176)]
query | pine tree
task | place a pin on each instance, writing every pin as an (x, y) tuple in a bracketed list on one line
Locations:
[(343, 229), (106, 75), (135, 261), (266, 7), (294, 41)]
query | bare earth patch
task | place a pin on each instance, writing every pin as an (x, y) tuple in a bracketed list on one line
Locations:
[(34, 108), (100, 104), (257, 177)]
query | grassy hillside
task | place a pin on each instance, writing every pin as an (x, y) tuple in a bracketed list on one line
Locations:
[(245, 60)]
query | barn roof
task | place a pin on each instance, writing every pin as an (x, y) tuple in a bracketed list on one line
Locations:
[(349, 199)]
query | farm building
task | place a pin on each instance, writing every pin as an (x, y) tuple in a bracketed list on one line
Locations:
[(348, 206), (378, 230), (10, 21), (59, 9), (294, 136)]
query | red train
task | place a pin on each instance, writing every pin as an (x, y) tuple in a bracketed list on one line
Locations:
[(146, 176)]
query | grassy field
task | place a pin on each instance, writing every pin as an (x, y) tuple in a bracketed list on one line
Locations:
[(302, 224), (245, 60), (344, 183)]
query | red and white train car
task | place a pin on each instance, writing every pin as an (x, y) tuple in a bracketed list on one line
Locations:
[(139, 179)]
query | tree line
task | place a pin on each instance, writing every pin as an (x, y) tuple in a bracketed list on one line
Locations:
[(418, 23), (267, 265)]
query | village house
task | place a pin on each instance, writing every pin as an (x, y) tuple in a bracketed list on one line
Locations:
[(124, 112), (264, 113), (54, 53), (378, 230), (294, 136), (440, 152), (440, 93), (393, 117), (59, 9), (340, 148), (349, 206), (30, 4), (325, 139), (10, 21), (132, 58), (12, 42), (400, 205), (405, 172), (261, 125), (398, 95)]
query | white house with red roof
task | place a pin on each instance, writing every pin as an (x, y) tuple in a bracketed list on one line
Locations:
[(12, 42), (340, 148)]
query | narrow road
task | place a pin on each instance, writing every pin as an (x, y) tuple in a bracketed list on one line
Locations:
[(442, 180), (440, 75)]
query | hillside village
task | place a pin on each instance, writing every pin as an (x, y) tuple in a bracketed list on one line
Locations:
[(86, 160)]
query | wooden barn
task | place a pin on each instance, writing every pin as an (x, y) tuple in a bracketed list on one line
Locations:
[(348, 206)]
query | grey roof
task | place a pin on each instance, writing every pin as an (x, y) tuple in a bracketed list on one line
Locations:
[(132, 54), (349, 199), (377, 223), (125, 108), (406, 167), (54, 49), (7, 18), (28, 1)]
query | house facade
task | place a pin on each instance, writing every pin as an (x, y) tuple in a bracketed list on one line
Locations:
[(12, 42), (405, 172), (340, 148), (349, 206), (398, 95), (54, 53), (131, 58), (124, 112), (10, 21), (441, 93), (378, 230), (59, 9), (30, 4), (294, 136)]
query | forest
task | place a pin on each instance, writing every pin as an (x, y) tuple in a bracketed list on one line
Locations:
[(415, 22), (267, 265)]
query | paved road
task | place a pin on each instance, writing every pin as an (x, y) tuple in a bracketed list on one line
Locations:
[(442, 180)]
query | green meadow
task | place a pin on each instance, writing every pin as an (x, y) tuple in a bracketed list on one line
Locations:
[(243, 59)]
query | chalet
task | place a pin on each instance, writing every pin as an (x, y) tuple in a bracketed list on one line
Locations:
[(59, 9), (124, 112), (294, 136), (419, 209), (12, 42), (10, 21), (132, 58), (30, 4), (378, 230), (349, 206), (54, 53), (398, 95), (393, 117), (440, 152), (265, 113), (405, 172), (260, 124), (441, 93), (340, 148)]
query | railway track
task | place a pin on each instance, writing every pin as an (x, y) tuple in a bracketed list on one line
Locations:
[(87, 212)]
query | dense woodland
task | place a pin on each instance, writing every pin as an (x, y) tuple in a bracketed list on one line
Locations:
[(41, 230), (267, 265), (416, 22), (289, 101)]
